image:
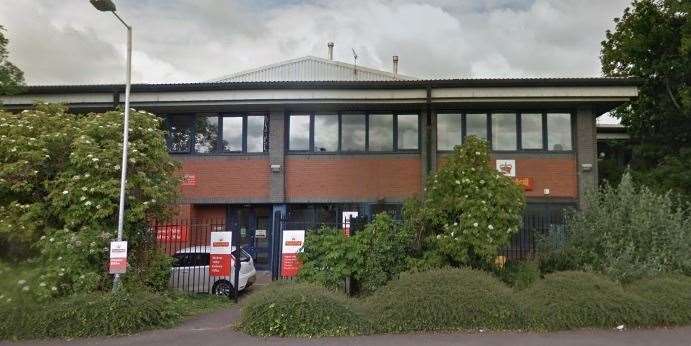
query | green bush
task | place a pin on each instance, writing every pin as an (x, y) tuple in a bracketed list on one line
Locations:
[(628, 232), (86, 315), (372, 256), (300, 309), (668, 298), (149, 269), (442, 299), (520, 275), (570, 300)]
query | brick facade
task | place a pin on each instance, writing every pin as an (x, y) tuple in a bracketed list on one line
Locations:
[(227, 179)]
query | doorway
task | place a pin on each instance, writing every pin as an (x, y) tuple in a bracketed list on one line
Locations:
[(251, 227)]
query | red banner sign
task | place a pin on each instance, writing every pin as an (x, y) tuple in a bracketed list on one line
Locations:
[(292, 243), (290, 265), (525, 182), (220, 264), (117, 265), (172, 233)]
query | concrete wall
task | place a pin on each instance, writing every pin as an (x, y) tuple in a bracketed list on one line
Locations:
[(586, 148)]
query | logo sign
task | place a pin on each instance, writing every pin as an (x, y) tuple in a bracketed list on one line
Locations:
[(347, 215), (172, 233), (189, 180), (525, 182), (292, 243), (507, 167), (220, 253), (260, 233), (118, 257)]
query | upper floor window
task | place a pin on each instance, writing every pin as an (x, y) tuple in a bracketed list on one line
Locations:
[(213, 133), (353, 132), (508, 131), (559, 131)]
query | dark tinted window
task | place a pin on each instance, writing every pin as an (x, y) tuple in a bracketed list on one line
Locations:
[(180, 132)]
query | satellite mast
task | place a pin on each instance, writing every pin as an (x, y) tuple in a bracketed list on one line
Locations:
[(355, 61)]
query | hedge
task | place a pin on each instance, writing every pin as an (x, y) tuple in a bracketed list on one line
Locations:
[(98, 314), (300, 309), (443, 299), (668, 298)]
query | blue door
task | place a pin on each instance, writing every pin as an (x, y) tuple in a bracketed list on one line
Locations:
[(251, 229)]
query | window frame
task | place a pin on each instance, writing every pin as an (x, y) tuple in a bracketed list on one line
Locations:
[(311, 150), (219, 150), (192, 140), (519, 140)]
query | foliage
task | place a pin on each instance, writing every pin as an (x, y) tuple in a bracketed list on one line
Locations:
[(59, 190), (442, 300), (372, 256), (95, 314), (150, 269), (472, 209), (667, 298), (629, 232), (520, 275), (652, 40), (300, 309), (11, 77), (570, 300)]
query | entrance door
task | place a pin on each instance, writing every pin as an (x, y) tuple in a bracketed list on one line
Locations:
[(251, 230)]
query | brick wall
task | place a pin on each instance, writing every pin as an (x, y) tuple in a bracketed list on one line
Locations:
[(227, 179), (352, 178)]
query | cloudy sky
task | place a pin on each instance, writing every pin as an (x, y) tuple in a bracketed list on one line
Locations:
[(68, 41)]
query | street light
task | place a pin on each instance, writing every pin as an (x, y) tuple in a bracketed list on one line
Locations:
[(109, 6)]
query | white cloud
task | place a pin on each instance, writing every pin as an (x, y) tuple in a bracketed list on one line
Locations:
[(70, 42)]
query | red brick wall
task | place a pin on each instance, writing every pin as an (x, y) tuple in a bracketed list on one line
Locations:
[(236, 178), (352, 178), (210, 213), (559, 175)]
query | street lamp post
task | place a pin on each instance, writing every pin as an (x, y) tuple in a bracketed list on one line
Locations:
[(109, 6)]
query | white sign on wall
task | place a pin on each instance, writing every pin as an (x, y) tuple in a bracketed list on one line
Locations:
[(507, 167)]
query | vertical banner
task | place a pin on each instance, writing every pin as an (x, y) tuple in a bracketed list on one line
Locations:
[(221, 248), (118, 257), (347, 215), (292, 243)]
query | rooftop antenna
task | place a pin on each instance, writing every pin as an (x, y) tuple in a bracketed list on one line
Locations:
[(355, 59)]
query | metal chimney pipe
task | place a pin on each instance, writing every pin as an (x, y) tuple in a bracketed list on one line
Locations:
[(331, 50), (395, 66)]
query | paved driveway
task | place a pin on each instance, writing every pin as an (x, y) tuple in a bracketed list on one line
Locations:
[(214, 329)]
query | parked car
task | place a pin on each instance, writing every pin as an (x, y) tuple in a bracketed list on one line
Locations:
[(190, 272)]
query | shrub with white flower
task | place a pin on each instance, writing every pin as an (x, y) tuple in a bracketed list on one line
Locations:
[(60, 189), (471, 209)]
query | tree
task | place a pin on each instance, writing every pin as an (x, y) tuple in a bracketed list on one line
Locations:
[(11, 77), (59, 190), (471, 209), (652, 40)]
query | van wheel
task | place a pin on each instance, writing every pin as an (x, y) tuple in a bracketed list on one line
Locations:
[(222, 288)]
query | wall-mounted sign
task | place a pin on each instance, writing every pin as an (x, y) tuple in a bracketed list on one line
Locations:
[(347, 216), (118, 257), (507, 167), (260, 233), (189, 180), (220, 258), (525, 182), (172, 233), (292, 243)]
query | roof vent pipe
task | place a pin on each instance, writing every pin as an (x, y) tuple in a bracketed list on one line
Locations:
[(331, 50), (395, 66)]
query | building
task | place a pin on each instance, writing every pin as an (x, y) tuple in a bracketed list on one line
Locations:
[(310, 139)]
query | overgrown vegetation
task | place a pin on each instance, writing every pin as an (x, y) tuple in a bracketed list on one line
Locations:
[(463, 299), (627, 232), (292, 309)]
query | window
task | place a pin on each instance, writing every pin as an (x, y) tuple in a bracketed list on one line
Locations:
[(449, 131), (353, 132), (531, 131), (381, 132), (256, 127), (206, 139), (408, 137), (180, 129), (476, 125), (299, 132), (504, 131), (232, 134), (559, 131), (326, 132)]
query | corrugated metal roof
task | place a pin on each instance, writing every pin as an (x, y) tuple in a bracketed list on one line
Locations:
[(311, 68)]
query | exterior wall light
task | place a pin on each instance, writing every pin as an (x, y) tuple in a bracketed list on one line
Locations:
[(275, 168)]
